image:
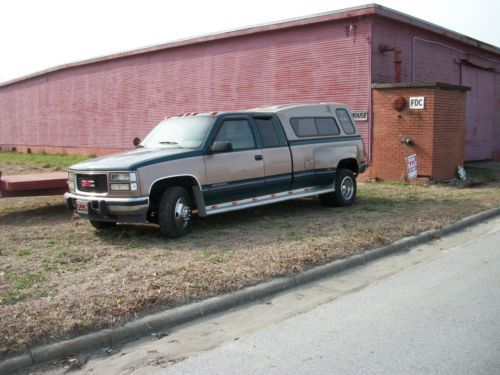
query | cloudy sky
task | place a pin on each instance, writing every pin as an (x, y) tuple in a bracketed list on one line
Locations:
[(39, 34)]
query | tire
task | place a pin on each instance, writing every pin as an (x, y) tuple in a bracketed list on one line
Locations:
[(345, 190), (174, 214), (102, 224)]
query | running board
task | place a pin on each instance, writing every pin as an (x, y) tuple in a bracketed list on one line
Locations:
[(266, 199)]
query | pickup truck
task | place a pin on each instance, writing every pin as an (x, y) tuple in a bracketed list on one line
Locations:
[(211, 163)]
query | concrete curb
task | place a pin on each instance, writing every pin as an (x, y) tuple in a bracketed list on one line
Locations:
[(171, 318)]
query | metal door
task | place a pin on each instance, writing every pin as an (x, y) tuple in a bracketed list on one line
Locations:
[(479, 113)]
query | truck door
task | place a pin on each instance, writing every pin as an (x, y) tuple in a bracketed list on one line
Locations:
[(237, 173), (276, 154)]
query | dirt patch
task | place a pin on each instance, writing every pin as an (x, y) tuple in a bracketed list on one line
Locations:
[(60, 277)]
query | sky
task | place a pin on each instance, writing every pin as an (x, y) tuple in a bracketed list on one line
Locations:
[(40, 34)]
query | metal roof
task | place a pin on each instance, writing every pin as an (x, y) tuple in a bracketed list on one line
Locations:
[(363, 10)]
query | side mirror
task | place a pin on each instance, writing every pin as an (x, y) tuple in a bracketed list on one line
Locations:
[(136, 141), (221, 147)]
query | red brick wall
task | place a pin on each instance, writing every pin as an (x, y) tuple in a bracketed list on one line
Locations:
[(449, 132), (437, 132)]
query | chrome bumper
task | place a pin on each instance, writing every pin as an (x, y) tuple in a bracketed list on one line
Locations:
[(109, 208)]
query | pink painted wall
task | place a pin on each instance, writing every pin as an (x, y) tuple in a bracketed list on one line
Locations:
[(107, 104), (432, 57)]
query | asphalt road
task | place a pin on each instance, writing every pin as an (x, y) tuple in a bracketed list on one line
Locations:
[(439, 316)]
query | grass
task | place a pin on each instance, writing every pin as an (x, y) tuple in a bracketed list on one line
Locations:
[(20, 282), (213, 256), (59, 277), (18, 163), (481, 175)]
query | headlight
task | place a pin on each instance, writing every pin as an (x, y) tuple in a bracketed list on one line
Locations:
[(120, 187), (123, 181), (119, 177), (71, 176)]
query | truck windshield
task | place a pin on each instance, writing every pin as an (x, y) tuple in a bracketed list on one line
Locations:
[(184, 132)]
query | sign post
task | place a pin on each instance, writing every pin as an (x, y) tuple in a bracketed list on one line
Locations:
[(411, 167)]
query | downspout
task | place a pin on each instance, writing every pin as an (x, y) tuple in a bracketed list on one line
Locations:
[(397, 60)]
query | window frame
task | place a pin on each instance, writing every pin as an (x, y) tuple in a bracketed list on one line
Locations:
[(237, 118), (350, 120), (280, 132), (316, 126)]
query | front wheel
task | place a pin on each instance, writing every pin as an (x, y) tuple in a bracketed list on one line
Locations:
[(345, 190), (174, 214)]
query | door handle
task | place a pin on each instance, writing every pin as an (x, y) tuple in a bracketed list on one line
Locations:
[(258, 157)]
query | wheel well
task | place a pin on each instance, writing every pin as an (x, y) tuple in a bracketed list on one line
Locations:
[(187, 182), (351, 164)]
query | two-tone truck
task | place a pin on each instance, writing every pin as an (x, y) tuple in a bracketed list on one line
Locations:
[(211, 163)]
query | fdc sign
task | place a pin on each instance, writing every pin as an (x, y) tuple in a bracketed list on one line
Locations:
[(417, 102)]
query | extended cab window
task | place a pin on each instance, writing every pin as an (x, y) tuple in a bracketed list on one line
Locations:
[(314, 126), (238, 132), (270, 132), (345, 121)]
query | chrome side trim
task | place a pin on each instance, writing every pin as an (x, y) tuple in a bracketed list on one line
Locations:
[(267, 199), (100, 198)]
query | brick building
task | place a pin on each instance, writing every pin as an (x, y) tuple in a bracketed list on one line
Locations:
[(98, 106)]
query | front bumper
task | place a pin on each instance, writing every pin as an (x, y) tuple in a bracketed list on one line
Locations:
[(124, 210)]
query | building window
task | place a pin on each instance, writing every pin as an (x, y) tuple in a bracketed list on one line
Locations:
[(314, 127)]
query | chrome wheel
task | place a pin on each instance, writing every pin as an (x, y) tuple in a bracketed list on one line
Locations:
[(182, 213), (174, 212), (347, 188)]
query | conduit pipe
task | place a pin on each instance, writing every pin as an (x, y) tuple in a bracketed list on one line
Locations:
[(397, 59)]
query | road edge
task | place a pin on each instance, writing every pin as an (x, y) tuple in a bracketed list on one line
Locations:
[(170, 318)]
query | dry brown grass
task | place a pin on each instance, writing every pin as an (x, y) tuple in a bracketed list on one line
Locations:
[(60, 277)]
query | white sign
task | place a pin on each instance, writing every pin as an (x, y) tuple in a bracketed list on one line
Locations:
[(360, 115), (417, 102), (411, 166)]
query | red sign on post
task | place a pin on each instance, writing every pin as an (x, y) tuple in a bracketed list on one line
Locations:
[(411, 166)]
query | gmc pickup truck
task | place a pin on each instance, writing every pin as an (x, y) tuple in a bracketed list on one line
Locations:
[(210, 163)]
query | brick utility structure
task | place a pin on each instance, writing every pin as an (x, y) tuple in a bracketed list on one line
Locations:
[(99, 105), (435, 133)]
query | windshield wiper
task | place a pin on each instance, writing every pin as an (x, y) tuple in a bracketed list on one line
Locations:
[(168, 143)]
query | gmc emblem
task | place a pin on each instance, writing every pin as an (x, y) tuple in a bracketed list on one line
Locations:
[(87, 183)]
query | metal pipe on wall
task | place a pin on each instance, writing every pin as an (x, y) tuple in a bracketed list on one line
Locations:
[(397, 59)]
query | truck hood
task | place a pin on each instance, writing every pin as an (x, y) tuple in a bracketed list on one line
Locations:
[(131, 160)]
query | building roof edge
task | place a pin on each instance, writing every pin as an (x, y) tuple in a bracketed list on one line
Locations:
[(359, 11)]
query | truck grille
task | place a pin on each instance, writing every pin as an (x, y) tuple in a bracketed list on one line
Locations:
[(92, 183)]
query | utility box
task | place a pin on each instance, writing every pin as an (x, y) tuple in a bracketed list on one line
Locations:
[(426, 119)]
